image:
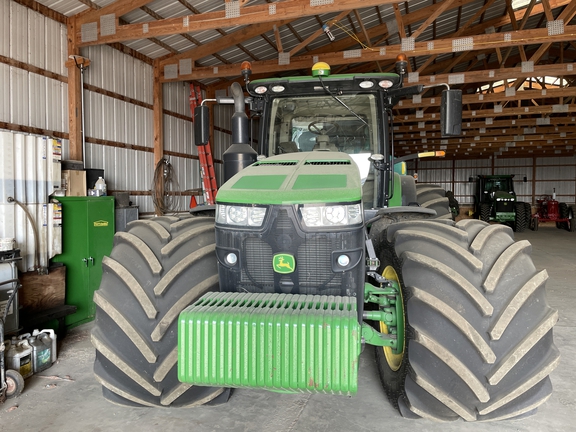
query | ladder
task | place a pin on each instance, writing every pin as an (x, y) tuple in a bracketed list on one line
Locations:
[(209, 186)]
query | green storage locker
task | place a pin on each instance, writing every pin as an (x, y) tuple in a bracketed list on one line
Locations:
[(87, 236)]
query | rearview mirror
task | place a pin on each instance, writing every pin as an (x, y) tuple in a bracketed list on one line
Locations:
[(201, 125), (451, 113)]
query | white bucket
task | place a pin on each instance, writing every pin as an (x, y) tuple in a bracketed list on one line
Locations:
[(7, 244)]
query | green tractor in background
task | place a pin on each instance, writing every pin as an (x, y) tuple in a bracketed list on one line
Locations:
[(318, 248), (495, 200)]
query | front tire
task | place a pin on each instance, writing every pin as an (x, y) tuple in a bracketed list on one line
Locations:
[(521, 221), (155, 269), (485, 212), (479, 342), (564, 213)]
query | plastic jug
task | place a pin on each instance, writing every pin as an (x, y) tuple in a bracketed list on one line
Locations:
[(41, 357), (101, 186), (19, 357), (48, 336)]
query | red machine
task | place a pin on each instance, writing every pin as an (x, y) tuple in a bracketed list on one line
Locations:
[(550, 210)]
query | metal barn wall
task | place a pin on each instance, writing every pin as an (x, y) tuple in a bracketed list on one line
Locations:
[(179, 138), (30, 99), (125, 123), (115, 121), (120, 122), (542, 174)]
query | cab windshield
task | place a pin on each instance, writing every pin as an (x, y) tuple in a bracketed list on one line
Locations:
[(317, 123), (322, 123)]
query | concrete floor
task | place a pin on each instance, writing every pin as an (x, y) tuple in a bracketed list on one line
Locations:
[(52, 404)]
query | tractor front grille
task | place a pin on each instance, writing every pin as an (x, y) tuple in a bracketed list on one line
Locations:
[(314, 253), (504, 206)]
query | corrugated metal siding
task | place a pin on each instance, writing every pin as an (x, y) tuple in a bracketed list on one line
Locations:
[(31, 99), (556, 173), (553, 172)]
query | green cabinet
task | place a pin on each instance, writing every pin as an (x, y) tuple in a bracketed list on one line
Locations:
[(87, 236)]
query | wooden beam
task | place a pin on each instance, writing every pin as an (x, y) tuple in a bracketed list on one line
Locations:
[(362, 28), (441, 7), (521, 27), (118, 8), (278, 39), (515, 27), (495, 97), (479, 42), (381, 31), (74, 97), (566, 15), (158, 122), (547, 10), (223, 42), (43, 10), (366, 35), (401, 29), (286, 9), (487, 113)]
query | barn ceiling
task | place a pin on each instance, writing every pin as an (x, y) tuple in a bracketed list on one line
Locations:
[(513, 59)]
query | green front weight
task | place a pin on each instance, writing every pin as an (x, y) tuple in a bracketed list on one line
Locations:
[(272, 341)]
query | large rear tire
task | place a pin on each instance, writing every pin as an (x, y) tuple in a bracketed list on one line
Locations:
[(155, 269), (433, 197), (479, 342)]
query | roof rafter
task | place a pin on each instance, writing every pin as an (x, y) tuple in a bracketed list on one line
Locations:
[(480, 42), (218, 19)]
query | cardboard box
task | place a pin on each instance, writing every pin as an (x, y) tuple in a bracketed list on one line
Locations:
[(75, 182)]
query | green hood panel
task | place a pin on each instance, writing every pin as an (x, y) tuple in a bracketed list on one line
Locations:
[(295, 178)]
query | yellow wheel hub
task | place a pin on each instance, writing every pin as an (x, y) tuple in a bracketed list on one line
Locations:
[(394, 359)]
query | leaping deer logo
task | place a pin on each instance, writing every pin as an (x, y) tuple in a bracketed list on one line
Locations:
[(283, 263)]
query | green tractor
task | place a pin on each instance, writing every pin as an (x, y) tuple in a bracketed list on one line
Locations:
[(315, 251), (495, 200)]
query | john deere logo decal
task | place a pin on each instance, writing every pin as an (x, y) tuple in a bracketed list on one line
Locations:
[(283, 263)]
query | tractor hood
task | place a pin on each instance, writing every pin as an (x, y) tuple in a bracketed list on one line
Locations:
[(295, 178), (504, 196)]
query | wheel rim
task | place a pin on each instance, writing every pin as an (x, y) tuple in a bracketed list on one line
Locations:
[(11, 386), (394, 357)]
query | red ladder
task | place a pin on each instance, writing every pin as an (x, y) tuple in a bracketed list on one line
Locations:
[(209, 186)]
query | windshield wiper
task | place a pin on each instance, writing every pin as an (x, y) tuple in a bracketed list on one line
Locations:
[(341, 102)]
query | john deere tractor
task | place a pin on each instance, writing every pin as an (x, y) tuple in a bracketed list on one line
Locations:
[(495, 200), (319, 248)]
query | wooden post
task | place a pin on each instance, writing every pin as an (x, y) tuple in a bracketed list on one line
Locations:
[(158, 114), (158, 108), (74, 96)]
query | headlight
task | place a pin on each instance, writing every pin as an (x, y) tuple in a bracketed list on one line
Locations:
[(336, 215), (240, 215)]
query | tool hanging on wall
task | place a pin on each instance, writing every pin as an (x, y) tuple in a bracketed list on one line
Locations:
[(209, 186)]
